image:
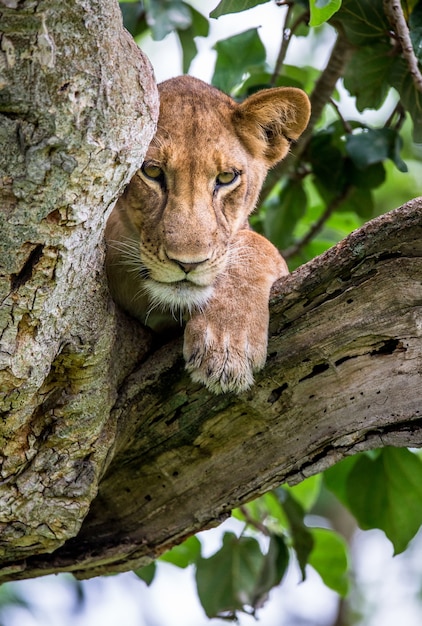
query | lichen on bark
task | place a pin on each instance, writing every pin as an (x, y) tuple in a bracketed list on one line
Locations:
[(78, 107)]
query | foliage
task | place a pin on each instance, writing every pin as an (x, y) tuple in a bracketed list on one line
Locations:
[(239, 576), (332, 182), (390, 500), (164, 17), (382, 489), (10, 598)]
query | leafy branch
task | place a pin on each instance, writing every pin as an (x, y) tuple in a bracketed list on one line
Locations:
[(394, 13), (319, 97), (288, 32)]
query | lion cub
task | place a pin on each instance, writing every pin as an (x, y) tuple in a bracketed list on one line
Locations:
[(178, 240)]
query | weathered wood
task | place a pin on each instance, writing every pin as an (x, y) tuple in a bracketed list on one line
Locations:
[(343, 375), (78, 106)]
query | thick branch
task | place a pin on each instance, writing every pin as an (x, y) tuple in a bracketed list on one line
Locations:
[(343, 375)]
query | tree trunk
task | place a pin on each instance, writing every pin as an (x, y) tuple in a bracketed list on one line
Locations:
[(110, 454), (78, 106)]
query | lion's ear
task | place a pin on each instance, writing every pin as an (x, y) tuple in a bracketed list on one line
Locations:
[(269, 120)]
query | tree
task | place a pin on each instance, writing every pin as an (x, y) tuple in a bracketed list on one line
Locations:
[(110, 454), (71, 141)]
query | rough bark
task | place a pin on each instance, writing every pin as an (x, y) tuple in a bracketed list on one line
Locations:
[(343, 375), (77, 110), (109, 453)]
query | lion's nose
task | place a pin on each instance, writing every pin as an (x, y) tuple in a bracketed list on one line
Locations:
[(188, 266)]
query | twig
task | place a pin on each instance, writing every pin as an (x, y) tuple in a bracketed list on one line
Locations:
[(325, 85), (253, 522), (285, 40), (397, 20), (348, 129), (401, 116), (318, 225), (288, 32)]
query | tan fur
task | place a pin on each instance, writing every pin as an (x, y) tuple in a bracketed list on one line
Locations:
[(178, 240)]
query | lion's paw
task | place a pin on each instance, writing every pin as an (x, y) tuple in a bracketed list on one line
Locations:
[(222, 361)]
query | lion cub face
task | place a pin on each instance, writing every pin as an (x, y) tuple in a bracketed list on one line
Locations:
[(198, 184)]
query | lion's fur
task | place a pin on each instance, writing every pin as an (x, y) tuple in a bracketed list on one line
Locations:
[(181, 242)]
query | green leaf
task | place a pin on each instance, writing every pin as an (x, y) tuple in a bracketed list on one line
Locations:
[(275, 512), (410, 97), (305, 76), (307, 491), (200, 28), (360, 201), (234, 6), (189, 48), (363, 21), (326, 154), (226, 580), (322, 10), (146, 573), (339, 224), (184, 554), (415, 27), (370, 177), (133, 17), (301, 537), (239, 575), (273, 569), (416, 39), (374, 145), (374, 67), (165, 16), (335, 478), (236, 56), (367, 75), (301, 77), (267, 509), (200, 24), (383, 492), (329, 557), (284, 212)]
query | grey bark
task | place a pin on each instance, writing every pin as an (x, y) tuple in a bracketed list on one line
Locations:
[(110, 454), (77, 110), (343, 375)]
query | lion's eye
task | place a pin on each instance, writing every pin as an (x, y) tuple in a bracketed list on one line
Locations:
[(226, 178), (154, 172)]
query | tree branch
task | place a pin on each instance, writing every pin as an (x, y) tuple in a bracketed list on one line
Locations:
[(288, 32), (250, 521), (343, 375), (321, 94), (394, 13)]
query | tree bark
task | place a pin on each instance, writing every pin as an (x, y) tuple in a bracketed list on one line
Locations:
[(78, 106), (110, 455), (343, 375)]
